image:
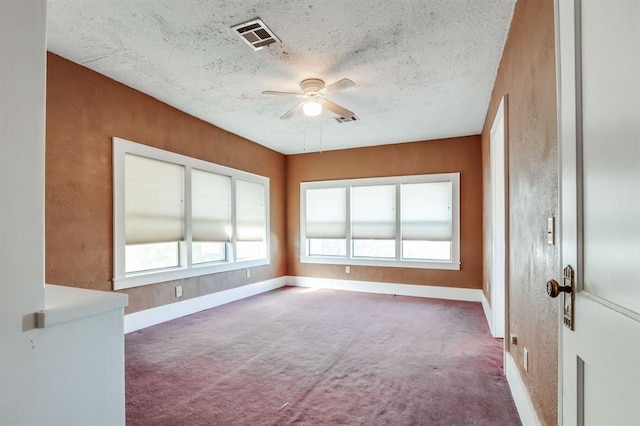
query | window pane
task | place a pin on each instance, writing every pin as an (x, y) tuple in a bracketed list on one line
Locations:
[(250, 250), (154, 200), (427, 211), (327, 247), (373, 212), (202, 252), (374, 248), (426, 250), (250, 211), (146, 257), (210, 206), (326, 213)]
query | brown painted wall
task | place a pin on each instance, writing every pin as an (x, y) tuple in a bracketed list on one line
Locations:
[(527, 75), (440, 156), (84, 111)]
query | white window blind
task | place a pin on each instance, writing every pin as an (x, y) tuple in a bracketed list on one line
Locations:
[(210, 206), (326, 212), (154, 200), (373, 212), (426, 212), (250, 211)]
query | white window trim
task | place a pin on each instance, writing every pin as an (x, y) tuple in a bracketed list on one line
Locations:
[(122, 280), (398, 262)]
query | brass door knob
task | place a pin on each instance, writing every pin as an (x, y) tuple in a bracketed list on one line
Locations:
[(554, 289)]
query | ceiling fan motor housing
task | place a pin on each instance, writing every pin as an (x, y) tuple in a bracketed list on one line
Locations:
[(311, 86)]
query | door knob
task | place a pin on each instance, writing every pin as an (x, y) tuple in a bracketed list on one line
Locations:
[(554, 289)]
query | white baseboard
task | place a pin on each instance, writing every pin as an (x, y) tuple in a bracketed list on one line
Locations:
[(487, 312), (450, 293), (521, 396), (160, 314)]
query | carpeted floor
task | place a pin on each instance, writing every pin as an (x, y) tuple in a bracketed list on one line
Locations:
[(320, 357)]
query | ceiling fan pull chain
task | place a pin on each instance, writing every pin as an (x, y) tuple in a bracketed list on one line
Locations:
[(304, 132), (321, 129)]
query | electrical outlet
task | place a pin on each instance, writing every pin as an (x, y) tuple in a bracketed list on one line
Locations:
[(525, 360), (178, 291), (248, 273), (514, 339), (347, 269)]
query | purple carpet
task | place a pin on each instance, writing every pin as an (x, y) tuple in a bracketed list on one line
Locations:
[(320, 357)]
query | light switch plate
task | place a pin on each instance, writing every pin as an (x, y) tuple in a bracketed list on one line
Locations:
[(551, 230)]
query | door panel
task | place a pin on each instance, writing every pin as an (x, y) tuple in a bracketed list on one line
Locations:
[(610, 150), (599, 89)]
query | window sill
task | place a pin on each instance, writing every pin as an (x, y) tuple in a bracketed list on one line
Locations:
[(155, 277), (452, 266)]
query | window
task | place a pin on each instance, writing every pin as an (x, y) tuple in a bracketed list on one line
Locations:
[(326, 220), (402, 221), (177, 217), (211, 224), (373, 221), (427, 220), (250, 213), (153, 213)]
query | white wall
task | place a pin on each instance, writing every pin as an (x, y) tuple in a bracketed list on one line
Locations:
[(22, 112), (70, 373), (81, 375)]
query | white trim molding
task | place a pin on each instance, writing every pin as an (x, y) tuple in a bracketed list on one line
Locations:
[(487, 312), (450, 293), (520, 393), (160, 314), (147, 318)]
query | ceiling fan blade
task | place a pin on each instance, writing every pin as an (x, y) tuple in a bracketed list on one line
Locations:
[(292, 111), (345, 83), (337, 109), (273, 92)]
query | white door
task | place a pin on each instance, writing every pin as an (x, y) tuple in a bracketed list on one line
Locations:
[(498, 220), (599, 87)]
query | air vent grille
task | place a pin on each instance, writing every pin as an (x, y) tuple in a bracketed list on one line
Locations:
[(256, 34), (346, 119)]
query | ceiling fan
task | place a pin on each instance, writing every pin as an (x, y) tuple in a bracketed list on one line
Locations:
[(313, 97)]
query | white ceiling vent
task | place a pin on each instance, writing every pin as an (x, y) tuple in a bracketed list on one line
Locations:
[(256, 34), (346, 119)]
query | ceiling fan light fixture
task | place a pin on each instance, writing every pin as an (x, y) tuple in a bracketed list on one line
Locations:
[(312, 108), (314, 98)]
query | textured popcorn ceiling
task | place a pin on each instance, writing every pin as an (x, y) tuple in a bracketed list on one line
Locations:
[(423, 69)]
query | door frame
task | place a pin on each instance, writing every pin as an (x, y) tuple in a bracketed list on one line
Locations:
[(499, 167), (561, 187)]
